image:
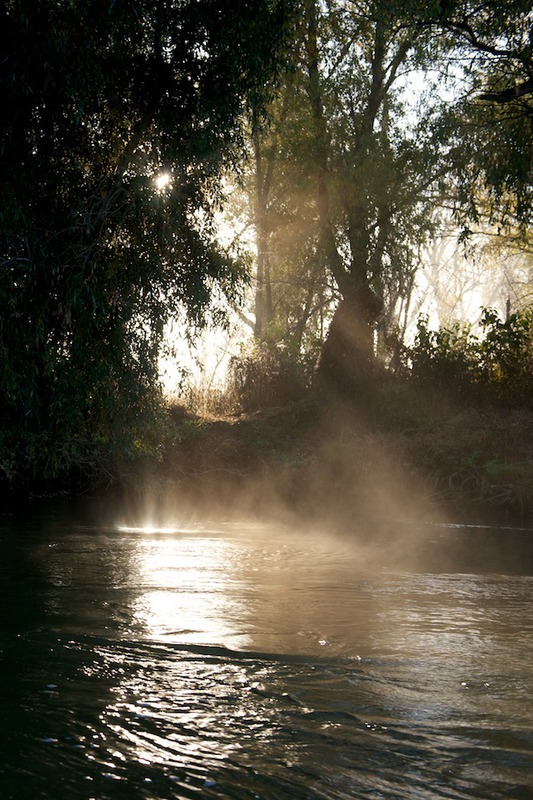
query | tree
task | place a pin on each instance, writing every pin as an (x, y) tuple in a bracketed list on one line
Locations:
[(94, 258), (490, 48), (294, 284), (371, 179), (373, 158)]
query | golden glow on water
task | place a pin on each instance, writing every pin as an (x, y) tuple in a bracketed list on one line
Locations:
[(187, 582), (148, 529), (171, 711), (161, 662)]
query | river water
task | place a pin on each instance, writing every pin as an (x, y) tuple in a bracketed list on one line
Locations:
[(245, 661)]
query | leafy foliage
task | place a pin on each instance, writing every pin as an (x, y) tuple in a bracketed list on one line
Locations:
[(342, 188), (101, 97), (489, 47), (495, 367), (269, 375), (386, 116)]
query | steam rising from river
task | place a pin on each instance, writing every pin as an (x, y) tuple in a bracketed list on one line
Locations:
[(356, 490)]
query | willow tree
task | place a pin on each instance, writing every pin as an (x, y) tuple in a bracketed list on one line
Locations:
[(99, 99)]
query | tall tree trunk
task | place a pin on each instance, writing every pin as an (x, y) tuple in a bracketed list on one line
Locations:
[(263, 291), (347, 357), (321, 150), (347, 362)]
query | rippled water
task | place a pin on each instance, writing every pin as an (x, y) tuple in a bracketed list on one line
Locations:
[(241, 662)]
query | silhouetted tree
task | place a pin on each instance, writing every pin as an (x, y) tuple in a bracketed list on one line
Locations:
[(99, 98)]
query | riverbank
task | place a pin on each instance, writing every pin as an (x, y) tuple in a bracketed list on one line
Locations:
[(327, 464), (338, 464)]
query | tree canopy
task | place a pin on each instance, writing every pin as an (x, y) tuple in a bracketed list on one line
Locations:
[(120, 118), (98, 98), (390, 118), (491, 47)]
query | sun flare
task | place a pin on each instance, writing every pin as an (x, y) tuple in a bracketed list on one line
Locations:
[(162, 181)]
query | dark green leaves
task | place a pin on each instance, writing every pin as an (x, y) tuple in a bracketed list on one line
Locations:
[(99, 96)]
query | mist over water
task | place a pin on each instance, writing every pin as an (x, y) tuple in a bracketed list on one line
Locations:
[(244, 660)]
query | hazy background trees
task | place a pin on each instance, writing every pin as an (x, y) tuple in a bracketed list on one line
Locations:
[(394, 129)]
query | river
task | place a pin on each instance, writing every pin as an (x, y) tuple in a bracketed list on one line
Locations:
[(224, 660)]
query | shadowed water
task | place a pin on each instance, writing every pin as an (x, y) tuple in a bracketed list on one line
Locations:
[(235, 661)]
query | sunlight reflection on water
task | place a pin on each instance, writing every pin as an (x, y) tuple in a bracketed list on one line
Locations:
[(188, 590), (170, 662)]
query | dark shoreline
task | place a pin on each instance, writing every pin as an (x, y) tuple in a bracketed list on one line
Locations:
[(306, 463)]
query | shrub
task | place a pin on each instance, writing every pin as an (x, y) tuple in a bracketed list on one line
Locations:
[(270, 375), (445, 359), (496, 366), (506, 355)]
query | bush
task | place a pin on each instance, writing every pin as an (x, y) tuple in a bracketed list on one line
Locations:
[(506, 355), (444, 358), (496, 366), (270, 375)]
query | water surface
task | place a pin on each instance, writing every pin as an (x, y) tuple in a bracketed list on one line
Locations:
[(239, 661)]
